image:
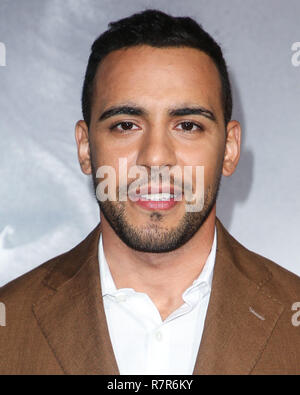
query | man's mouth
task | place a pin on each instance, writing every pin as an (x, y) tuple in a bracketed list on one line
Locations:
[(157, 201), (158, 197)]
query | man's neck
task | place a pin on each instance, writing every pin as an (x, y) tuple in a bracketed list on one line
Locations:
[(162, 276)]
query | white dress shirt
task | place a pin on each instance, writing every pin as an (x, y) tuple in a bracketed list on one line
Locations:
[(142, 342)]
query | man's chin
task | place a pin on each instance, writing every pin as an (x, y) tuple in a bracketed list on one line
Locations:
[(153, 236)]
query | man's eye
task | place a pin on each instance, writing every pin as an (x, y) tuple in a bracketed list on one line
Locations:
[(123, 126), (189, 126)]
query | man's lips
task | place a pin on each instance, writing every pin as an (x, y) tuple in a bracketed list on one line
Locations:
[(155, 189), (149, 204), (158, 198)]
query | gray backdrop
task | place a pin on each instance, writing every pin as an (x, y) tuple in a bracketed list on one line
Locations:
[(46, 202)]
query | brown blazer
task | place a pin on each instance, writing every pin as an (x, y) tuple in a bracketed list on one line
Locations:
[(55, 320)]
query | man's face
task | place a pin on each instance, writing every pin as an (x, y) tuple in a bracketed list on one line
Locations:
[(155, 88)]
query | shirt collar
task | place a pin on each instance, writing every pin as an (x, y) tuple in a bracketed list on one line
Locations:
[(107, 283), (109, 288), (207, 272)]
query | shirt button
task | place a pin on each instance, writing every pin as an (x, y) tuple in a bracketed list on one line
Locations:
[(158, 336)]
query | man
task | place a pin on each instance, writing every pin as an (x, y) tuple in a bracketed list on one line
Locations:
[(159, 287)]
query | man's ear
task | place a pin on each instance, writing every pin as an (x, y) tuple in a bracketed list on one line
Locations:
[(232, 147), (83, 148)]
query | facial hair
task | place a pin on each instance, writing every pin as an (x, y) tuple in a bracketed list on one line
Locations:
[(153, 237)]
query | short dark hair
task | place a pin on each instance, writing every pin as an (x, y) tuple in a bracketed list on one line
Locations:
[(157, 29)]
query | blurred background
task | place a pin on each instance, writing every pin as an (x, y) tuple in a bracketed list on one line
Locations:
[(46, 203)]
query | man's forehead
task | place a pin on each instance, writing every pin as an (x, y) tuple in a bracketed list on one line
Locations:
[(146, 75)]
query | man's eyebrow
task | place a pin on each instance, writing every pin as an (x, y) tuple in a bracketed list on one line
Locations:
[(127, 110), (178, 112), (138, 111)]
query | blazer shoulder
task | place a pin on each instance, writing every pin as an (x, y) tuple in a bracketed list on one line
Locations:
[(51, 273), (282, 282), (267, 274), (26, 286), (285, 282)]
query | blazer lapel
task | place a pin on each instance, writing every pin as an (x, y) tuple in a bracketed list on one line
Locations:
[(240, 316), (71, 312)]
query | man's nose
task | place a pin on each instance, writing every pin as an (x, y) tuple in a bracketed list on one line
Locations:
[(156, 149)]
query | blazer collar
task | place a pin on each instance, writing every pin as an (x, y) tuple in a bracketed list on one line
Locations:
[(239, 321)]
